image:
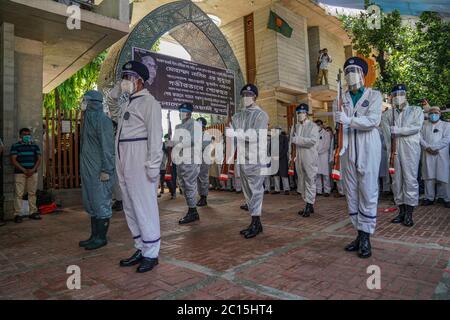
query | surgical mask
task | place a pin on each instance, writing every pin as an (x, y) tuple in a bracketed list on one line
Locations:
[(83, 105), (27, 139), (248, 101), (127, 86), (434, 117), (399, 101), (301, 117), (354, 77)]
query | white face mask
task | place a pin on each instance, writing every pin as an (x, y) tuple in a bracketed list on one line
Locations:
[(399, 101), (353, 79), (83, 105), (248, 101), (127, 86), (301, 117)]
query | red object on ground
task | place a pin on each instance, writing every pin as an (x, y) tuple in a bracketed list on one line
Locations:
[(48, 208), (387, 210)]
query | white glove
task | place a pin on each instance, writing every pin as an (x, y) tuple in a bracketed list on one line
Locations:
[(229, 132), (342, 118), (153, 174), (395, 130), (104, 177)]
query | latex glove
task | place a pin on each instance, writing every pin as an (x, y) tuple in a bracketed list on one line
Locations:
[(229, 132), (153, 174), (395, 130), (104, 177), (342, 118)]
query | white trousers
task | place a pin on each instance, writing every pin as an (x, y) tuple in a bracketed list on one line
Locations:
[(139, 196), (284, 180), (404, 182), (188, 174), (323, 183), (203, 180), (430, 190), (253, 188)]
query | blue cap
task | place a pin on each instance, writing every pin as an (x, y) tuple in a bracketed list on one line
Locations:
[(137, 68), (356, 61), (399, 87), (186, 107), (203, 121), (302, 107), (93, 95), (250, 88)]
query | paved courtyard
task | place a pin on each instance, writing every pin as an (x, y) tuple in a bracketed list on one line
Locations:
[(295, 258)]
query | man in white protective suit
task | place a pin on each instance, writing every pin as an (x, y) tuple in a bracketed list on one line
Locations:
[(203, 176), (252, 178), (138, 159), (323, 180), (305, 137), (435, 139), (408, 123), (360, 162), (187, 134)]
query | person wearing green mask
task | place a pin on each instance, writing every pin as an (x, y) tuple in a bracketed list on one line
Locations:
[(26, 159), (435, 140)]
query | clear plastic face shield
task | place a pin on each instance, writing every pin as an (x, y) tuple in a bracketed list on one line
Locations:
[(184, 114), (354, 76), (129, 82), (248, 98), (302, 116), (398, 99)]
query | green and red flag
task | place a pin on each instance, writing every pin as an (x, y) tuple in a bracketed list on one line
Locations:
[(279, 25)]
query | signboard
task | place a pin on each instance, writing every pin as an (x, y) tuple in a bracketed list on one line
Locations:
[(209, 89)]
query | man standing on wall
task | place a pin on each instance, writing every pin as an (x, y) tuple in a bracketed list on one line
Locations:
[(323, 61)]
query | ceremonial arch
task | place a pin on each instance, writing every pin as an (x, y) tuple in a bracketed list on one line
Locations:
[(189, 26)]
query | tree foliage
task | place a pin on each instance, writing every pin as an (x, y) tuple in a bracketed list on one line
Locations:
[(418, 56)]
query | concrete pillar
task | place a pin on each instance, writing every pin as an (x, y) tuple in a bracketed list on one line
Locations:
[(7, 116)]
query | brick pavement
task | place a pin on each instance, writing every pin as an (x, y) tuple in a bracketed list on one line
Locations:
[(295, 258)]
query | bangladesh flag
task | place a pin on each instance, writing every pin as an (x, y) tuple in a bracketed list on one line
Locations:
[(279, 25)]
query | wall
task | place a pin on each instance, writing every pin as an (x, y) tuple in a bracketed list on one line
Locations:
[(234, 32)]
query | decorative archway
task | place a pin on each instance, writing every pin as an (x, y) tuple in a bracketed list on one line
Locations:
[(160, 21)]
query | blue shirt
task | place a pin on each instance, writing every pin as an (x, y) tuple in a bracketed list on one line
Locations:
[(355, 97), (27, 155)]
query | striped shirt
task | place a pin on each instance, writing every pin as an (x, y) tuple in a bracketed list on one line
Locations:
[(27, 155)]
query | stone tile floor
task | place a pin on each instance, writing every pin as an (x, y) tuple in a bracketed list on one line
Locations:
[(295, 258)]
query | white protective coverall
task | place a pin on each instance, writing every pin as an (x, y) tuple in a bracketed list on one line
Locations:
[(360, 164), (306, 139), (251, 178), (188, 171), (404, 182), (435, 168), (138, 158), (203, 176), (323, 171)]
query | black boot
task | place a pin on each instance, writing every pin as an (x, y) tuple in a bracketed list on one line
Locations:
[(100, 239), (191, 216), (427, 202), (401, 215), (354, 245), (133, 260), (147, 264), (117, 206), (365, 249), (255, 228), (243, 232), (244, 207), (202, 202), (308, 210), (84, 243), (408, 222)]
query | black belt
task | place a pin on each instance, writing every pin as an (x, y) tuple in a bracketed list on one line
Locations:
[(133, 140)]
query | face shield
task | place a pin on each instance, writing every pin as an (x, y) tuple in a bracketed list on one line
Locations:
[(354, 76), (302, 116), (248, 98), (129, 82), (399, 99)]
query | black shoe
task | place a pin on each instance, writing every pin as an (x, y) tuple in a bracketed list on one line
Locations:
[(308, 210), (319, 194), (447, 204), (202, 202), (401, 215), (266, 192), (287, 193), (238, 192), (18, 219), (84, 243), (408, 222), (191, 216), (244, 207), (326, 195), (354, 245), (255, 228), (365, 248), (275, 192), (243, 232), (99, 239), (427, 202), (35, 216), (117, 206), (135, 259), (147, 264), (173, 197)]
